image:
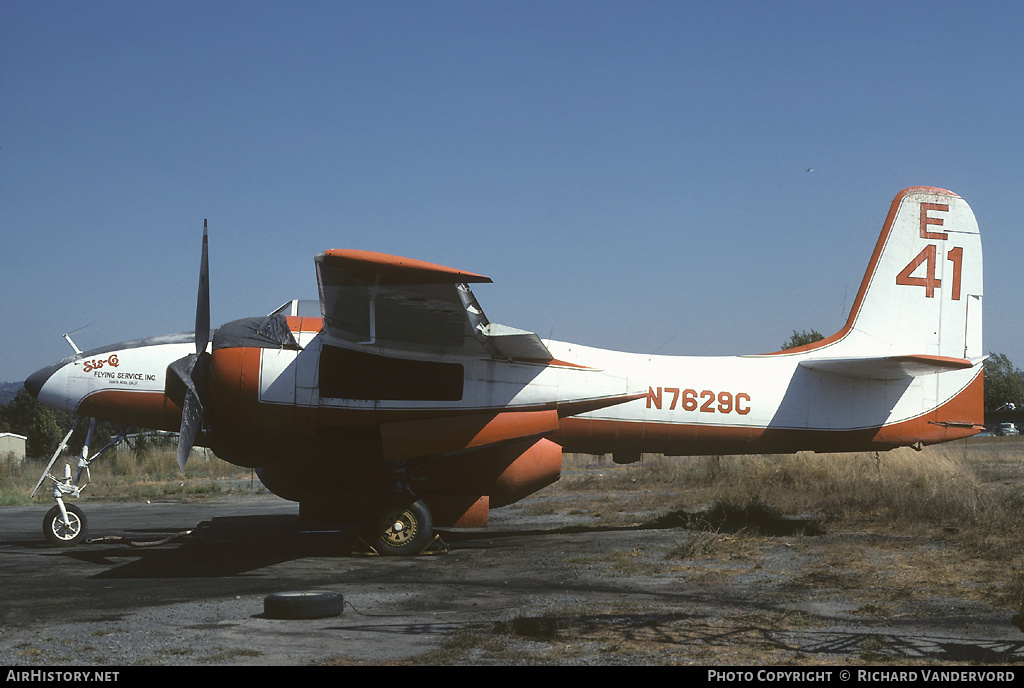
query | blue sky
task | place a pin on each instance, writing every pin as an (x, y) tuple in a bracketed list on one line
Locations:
[(632, 175)]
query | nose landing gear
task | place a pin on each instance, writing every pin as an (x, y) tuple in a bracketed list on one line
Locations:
[(65, 524)]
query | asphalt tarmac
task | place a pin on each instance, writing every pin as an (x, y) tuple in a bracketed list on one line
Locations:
[(198, 598)]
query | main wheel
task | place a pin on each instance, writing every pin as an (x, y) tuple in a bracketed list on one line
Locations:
[(65, 534), (404, 528)]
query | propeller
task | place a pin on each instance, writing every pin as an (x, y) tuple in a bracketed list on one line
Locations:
[(192, 370)]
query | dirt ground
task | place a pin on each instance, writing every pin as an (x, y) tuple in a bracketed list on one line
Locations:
[(577, 576)]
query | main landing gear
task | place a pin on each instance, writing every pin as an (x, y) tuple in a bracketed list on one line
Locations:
[(405, 527)]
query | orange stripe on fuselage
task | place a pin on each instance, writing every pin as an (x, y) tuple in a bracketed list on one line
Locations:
[(309, 325), (599, 436), (138, 409)]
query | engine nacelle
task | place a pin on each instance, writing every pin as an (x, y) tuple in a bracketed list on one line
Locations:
[(534, 469), (282, 482), (505, 473)]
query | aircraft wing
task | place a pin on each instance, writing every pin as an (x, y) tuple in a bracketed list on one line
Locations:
[(887, 367), (379, 300)]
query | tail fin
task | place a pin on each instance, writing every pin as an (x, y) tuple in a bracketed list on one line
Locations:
[(921, 295)]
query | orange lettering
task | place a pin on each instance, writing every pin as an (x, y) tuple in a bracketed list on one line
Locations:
[(707, 407), (929, 281), (686, 400), (925, 220), (655, 397), (690, 399), (956, 256)]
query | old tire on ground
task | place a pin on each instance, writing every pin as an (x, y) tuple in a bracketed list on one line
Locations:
[(404, 528), (63, 534), (303, 604)]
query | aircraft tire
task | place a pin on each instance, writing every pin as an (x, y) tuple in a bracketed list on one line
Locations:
[(404, 528), (303, 604), (60, 535)]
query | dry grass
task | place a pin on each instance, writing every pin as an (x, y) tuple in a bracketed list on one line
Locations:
[(951, 486), (127, 476), (968, 494)]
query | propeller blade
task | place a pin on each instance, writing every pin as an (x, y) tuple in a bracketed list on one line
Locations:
[(191, 370), (203, 299), (191, 421)]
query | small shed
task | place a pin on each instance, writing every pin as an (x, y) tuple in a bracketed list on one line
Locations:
[(12, 445)]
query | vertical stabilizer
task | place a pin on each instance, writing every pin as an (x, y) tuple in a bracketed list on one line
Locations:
[(921, 294)]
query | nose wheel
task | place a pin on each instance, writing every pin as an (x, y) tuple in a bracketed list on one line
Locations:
[(67, 529)]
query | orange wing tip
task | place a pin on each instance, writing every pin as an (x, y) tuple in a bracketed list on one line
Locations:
[(395, 269)]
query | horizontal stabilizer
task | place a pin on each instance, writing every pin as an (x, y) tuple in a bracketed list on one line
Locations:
[(887, 367)]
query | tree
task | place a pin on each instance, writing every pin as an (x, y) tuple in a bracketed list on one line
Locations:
[(800, 338), (1003, 383), (40, 424), (44, 427), (44, 434)]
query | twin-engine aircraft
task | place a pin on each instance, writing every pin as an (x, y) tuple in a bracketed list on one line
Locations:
[(403, 407)]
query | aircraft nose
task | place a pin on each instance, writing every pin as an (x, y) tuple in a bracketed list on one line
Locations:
[(34, 383), (36, 380)]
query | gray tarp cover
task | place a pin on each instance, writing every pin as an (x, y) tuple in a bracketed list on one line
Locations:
[(271, 332)]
